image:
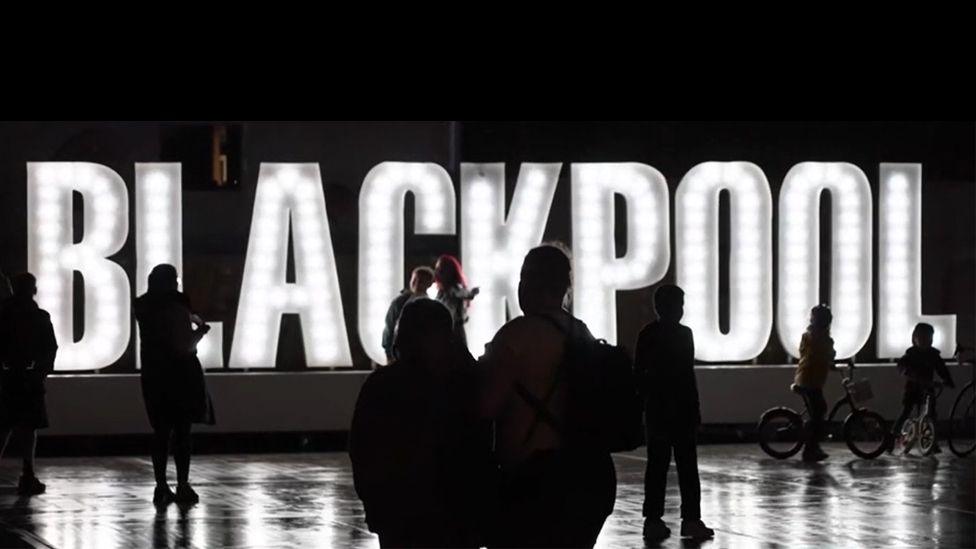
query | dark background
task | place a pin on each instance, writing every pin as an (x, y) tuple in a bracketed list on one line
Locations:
[(216, 220)]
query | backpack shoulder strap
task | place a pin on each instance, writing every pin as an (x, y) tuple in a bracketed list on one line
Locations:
[(541, 406)]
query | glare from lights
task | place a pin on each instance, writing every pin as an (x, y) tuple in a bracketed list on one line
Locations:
[(900, 265), (289, 197), (493, 244), (799, 253), (53, 256), (750, 258), (598, 272), (381, 234)]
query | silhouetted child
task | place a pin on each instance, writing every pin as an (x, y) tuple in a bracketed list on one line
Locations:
[(27, 351), (665, 368), (816, 360), (173, 385), (419, 452), (919, 364), (421, 279)]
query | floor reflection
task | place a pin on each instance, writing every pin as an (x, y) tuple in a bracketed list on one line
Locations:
[(306, 500)]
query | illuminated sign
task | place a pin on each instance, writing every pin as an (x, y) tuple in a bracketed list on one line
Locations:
[(493, 243), (750, 258), (289, 200)]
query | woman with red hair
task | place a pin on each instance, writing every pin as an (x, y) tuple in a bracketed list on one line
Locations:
[(453, 292)]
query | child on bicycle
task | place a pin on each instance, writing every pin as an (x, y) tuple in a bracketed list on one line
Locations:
[(816, 360), (919, 364)]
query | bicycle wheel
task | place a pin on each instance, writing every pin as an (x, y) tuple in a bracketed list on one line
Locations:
[(962, 427), (781, 433), (909, 432), (833, 428), (865, 433), (926, 435)]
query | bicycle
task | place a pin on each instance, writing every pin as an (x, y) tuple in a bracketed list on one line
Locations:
[(962, 423), (921, 427), (782, 434)]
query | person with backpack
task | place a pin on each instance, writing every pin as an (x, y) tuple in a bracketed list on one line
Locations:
[(665, 367), (557, 486)]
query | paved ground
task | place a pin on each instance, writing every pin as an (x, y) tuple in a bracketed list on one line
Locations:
[(306, 500)]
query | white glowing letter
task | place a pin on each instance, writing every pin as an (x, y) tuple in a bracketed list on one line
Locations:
[(900, 268), (750, 258), (493, 245), (799, 253), (598, 272), (381, 269), (159, 239), (53, 256), (289, 196)]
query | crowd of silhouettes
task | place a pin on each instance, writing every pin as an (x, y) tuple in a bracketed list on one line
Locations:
[(447, 450), (452, 452)]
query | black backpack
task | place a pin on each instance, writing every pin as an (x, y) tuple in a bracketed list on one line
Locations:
[(604, 410)]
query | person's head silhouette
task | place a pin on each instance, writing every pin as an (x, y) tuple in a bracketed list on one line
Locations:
[(669, 302), (423, 333), (922, 335), (820, 318), (448, 273), (23, 285), (545, 279), (421, 279), (163, 279)]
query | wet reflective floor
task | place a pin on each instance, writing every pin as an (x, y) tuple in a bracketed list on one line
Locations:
[(307, 500)]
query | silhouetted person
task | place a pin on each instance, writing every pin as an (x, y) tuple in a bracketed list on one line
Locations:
[(420, 454), (553, 493), (453, 292), (173, 386), (664, 365), (816, 360), (420, 280), (27, 351), (919, 365)]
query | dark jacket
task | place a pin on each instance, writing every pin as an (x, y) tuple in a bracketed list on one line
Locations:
[(419, 451), (919, 365), (664, 363), (27, 351), (173, 385), (392, 316)]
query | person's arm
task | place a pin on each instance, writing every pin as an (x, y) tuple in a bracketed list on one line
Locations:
[(200, 331), (496, 379), (902, 365), (691, 357), (181, 337), (804, 345), (466, 294), (48, 348), (388, 329), (940, 368), (642, 365)]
